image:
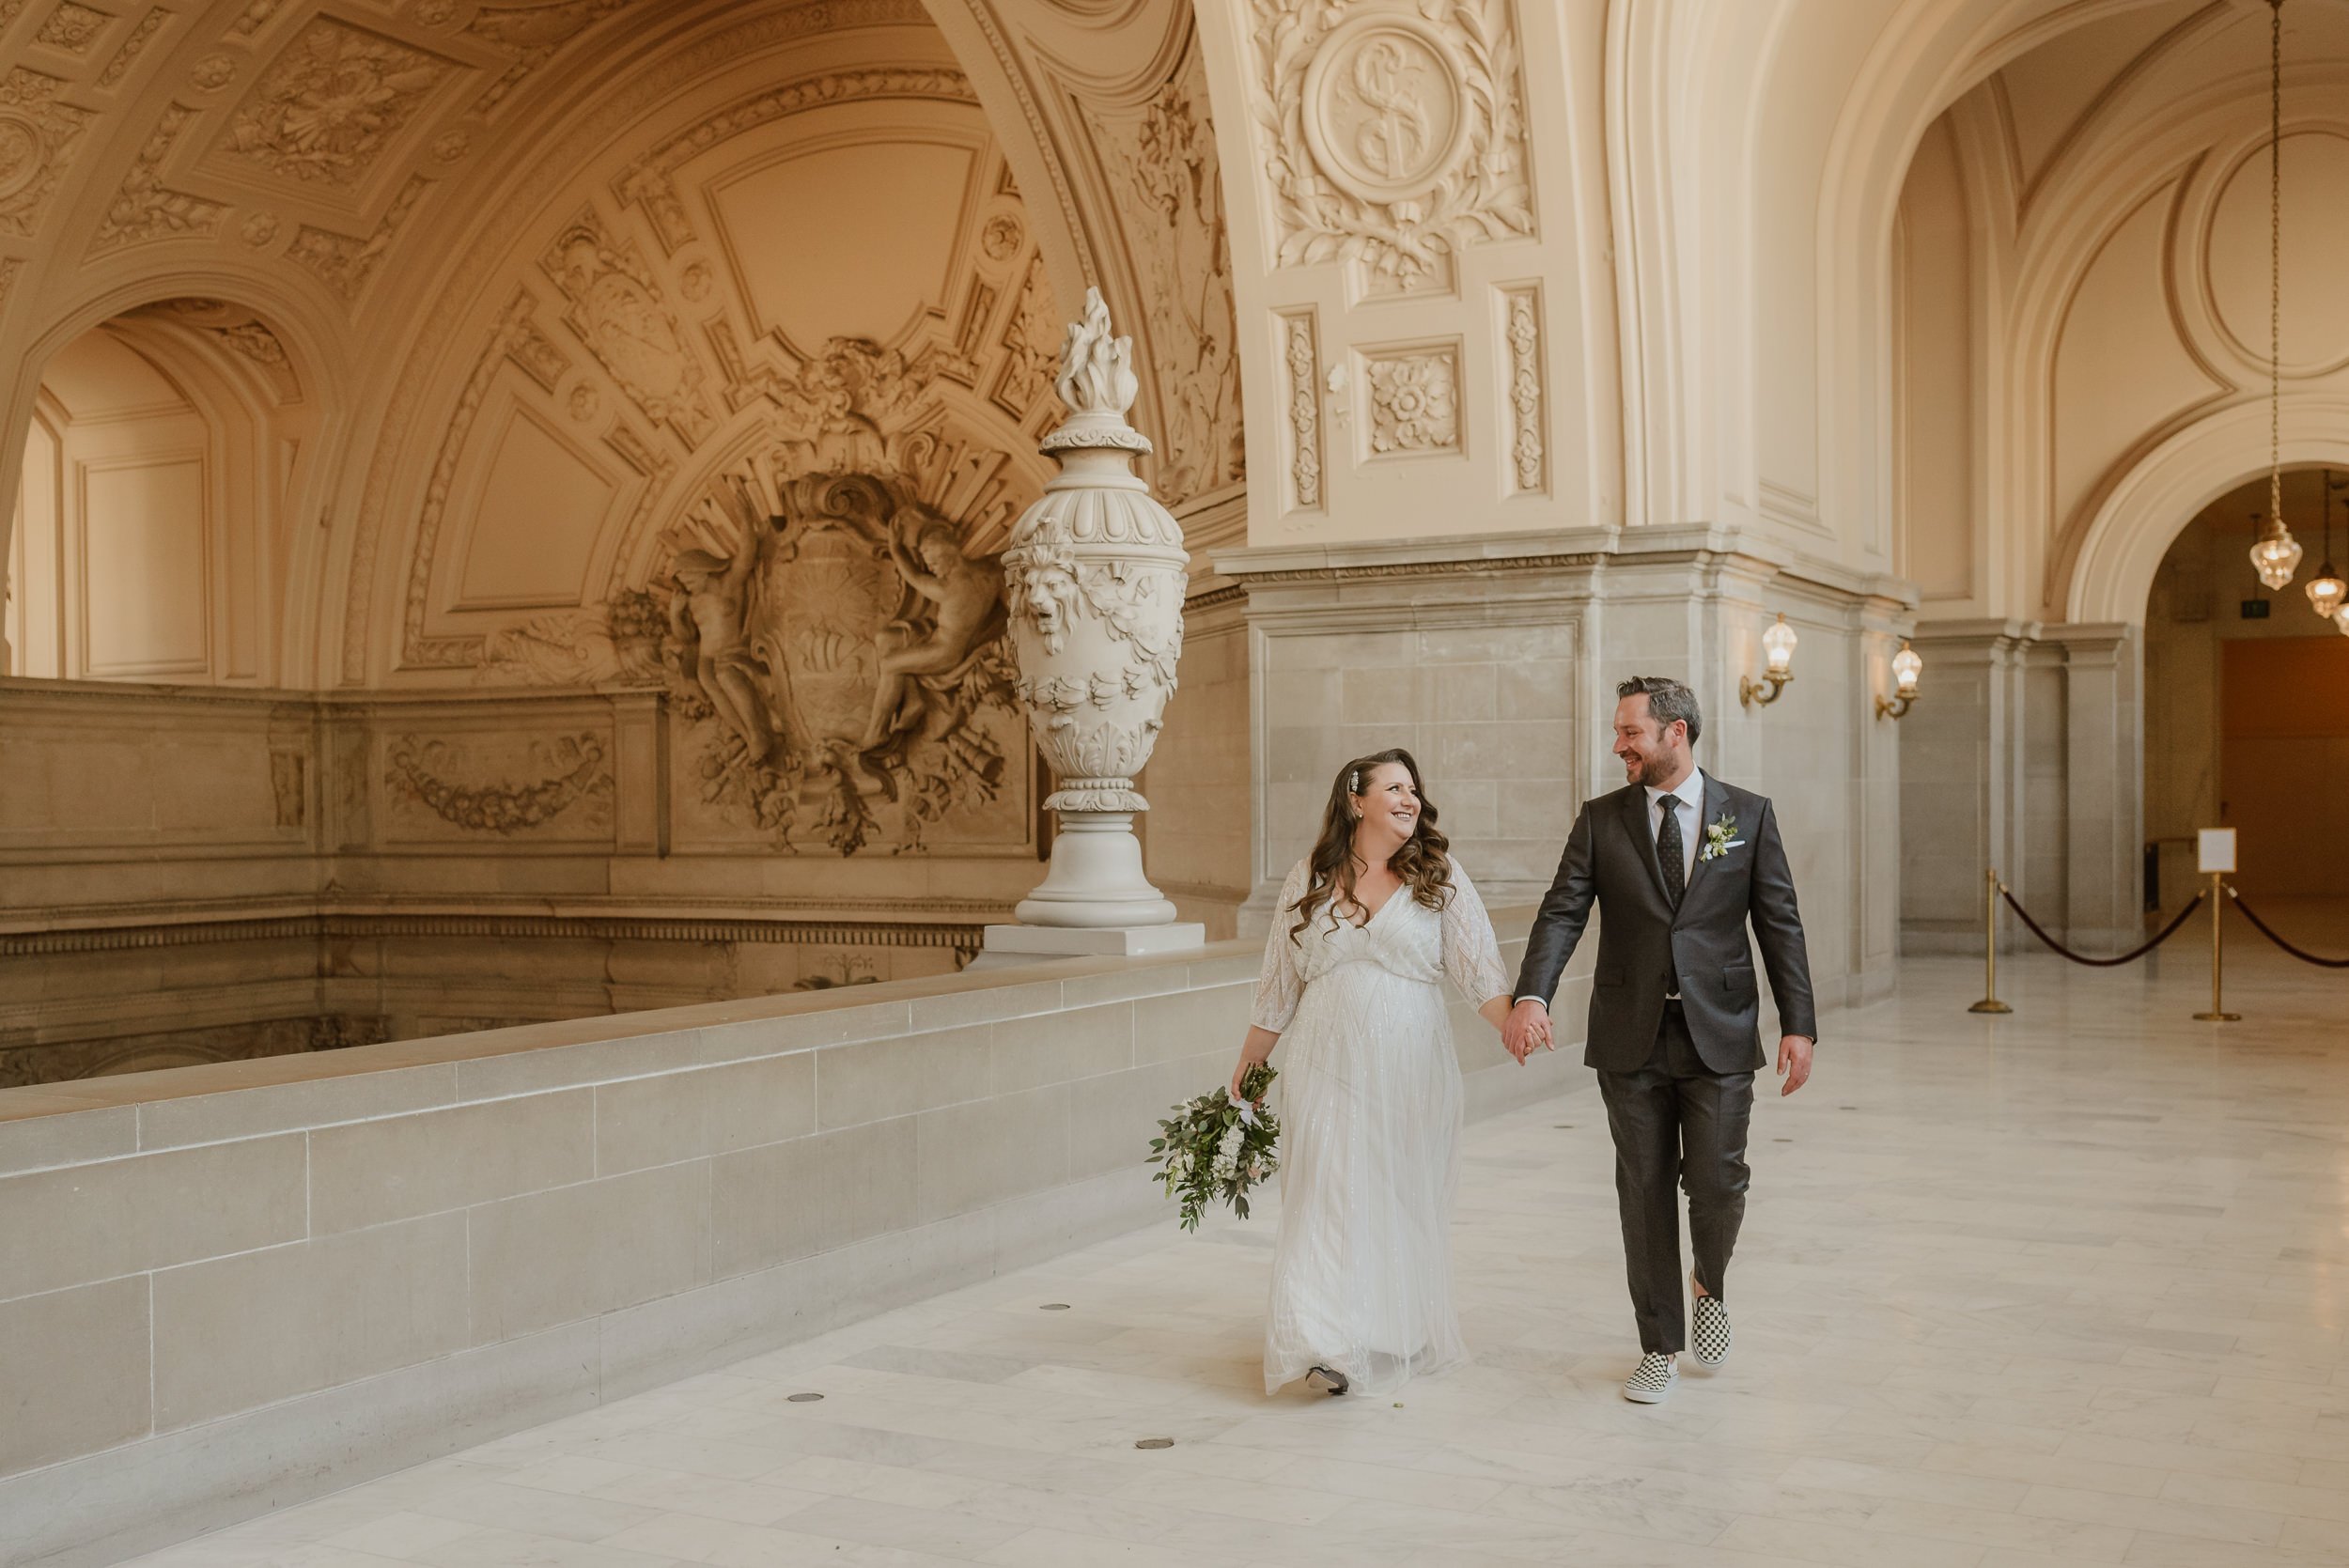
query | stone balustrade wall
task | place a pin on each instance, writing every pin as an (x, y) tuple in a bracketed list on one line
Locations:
[(228, 1286)]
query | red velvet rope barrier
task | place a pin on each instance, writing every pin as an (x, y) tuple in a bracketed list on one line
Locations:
[(2037, 930), (2268, 931)]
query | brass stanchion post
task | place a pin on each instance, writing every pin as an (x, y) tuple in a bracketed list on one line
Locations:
[(2218, 899), (1990, 1003)]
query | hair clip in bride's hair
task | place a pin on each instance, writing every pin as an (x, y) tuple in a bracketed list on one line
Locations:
[(1354, 782)]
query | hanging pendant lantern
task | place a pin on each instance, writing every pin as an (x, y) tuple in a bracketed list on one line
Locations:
[(2327, 591), (2277, 554)]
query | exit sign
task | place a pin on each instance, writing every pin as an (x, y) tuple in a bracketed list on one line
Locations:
[(2255, 609)]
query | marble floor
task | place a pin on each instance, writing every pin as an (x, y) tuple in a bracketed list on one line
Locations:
[(2066, 1287)]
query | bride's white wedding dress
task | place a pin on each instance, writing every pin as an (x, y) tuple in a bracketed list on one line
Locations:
[(1370, 1132)]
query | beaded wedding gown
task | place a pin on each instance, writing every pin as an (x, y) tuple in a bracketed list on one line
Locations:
[(1370, 1132)]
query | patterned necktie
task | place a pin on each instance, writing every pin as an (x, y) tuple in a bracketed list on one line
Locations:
[(1668, 856)]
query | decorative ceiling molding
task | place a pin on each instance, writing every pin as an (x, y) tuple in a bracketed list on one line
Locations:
[(330, 105), (39, 139), (645, 181), (146, 208)]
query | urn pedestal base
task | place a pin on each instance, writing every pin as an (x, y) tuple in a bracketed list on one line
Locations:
[(1095, 880), (1008, 945)]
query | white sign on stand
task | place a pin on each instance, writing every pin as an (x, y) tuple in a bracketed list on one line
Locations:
[(2215, 849)]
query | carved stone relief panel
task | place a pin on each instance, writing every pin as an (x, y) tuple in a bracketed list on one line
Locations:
[(443, 785), (1414, 396), (132, 47), (1390, 136), (346, 262), (1300, 362), (145, 208), (836, 652), (39, 137), (1165, 160), (1521, 333), (1031, 346), (72, 28), (616, 311), (330, 104)]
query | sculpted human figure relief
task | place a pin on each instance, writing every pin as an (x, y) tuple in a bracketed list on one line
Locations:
[(849, 651), (710, 619), (969, 596)]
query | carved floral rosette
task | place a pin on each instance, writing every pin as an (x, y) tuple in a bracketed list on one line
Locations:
[(1094, 579)]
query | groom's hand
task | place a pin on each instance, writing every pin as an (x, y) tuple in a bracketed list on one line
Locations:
[(1527, 1030), (1794, 1061)]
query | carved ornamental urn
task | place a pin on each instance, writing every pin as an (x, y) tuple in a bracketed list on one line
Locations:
[(1095, 577)]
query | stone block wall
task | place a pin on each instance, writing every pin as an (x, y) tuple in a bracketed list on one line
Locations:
[(1495, 660), (435, 1242)]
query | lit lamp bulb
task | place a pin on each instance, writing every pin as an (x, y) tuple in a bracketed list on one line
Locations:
[(2276, 556), (1778, 650), (2327, 591), (1907, 667), (2341, 619)]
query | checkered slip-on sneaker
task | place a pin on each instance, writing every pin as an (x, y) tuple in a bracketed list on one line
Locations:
[(1709, 1333), (1651, 1380)]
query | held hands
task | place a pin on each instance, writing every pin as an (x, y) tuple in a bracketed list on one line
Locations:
[(1527, 1031), (1794, 1061)]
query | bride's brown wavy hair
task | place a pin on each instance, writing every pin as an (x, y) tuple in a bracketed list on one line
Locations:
[(1424, 862)]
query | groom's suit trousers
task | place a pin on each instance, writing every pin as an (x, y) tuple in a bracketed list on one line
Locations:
[(1676, 1123)]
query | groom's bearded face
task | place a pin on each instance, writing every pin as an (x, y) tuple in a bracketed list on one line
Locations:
[(1649, 754)]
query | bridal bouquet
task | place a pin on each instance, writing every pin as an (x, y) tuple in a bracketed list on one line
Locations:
[(1217, 1147)]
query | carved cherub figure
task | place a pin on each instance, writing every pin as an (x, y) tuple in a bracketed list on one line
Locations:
[(709, 616), (967, 596)]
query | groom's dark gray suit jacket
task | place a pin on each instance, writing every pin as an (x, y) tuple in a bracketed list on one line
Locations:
[(1645, 949)]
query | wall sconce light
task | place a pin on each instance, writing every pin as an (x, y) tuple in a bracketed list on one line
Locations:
[(1907, 667), (1778, 647)]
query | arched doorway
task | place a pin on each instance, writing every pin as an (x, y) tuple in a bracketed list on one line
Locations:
[(147, 541), (2247, 700)]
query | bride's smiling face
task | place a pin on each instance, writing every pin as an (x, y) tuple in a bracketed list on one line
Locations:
[(1388, 805)]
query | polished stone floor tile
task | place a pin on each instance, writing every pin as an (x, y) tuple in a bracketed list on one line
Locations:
[(2044, 1291)]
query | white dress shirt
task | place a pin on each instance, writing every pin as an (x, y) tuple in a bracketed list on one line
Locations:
[(1688, 801)]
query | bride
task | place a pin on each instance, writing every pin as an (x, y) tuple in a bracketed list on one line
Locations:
[(1368, 927)]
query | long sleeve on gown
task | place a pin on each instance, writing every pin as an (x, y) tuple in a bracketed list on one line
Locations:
[(1282, 986), (1471, 954)]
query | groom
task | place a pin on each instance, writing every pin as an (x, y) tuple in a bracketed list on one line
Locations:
[(1679, 863)]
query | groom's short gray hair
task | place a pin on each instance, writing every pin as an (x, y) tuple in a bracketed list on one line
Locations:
[(1667, 700)]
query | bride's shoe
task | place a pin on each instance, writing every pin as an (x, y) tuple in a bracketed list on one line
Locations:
[(1651, 1380), (1327, 1379)]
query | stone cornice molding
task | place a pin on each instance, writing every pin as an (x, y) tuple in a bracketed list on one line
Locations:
[(369, 928), (1576, 549)]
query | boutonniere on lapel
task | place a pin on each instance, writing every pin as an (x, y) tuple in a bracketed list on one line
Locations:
[(1720, 838)]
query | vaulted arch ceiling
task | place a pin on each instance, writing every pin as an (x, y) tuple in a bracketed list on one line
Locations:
[(383, 185), (2110, 197)]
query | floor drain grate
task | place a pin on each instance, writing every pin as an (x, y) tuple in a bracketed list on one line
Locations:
[(810, 1399), (1165, 1442)]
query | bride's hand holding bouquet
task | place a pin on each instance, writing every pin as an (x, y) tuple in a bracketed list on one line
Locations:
[(1219, 1145)]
